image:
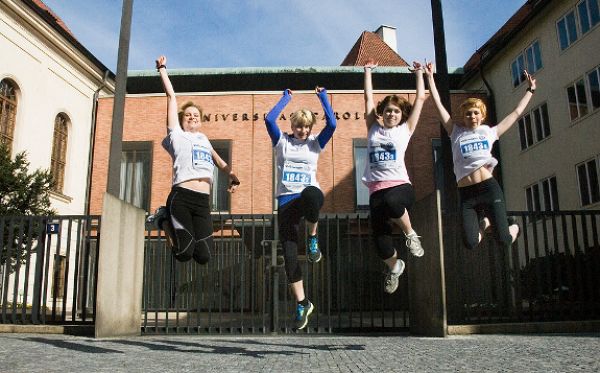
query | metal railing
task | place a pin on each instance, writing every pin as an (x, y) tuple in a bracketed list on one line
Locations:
[(551, 273), (48, 269), (243, 289)]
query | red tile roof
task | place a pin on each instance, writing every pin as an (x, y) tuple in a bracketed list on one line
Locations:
[(501, 38), (44, 8), (370, 46)]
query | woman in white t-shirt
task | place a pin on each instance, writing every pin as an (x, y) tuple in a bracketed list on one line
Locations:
[(186, 219), (298, 192), (482, 202), (391, 194)]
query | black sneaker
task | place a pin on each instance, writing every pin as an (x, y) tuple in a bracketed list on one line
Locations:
[(302, 314), (157, 218)]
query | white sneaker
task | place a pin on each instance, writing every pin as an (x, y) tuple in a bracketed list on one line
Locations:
[(391, 278), (414, 244)]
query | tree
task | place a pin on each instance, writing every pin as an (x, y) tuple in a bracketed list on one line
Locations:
[(21, 194)]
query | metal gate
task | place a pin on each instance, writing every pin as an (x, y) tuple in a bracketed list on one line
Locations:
[(243, 289)]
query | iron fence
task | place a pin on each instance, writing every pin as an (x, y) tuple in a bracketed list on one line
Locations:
[(48, 269), (549, 274), (243, 289)]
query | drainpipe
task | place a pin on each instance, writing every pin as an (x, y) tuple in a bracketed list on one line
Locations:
[(491, 114), (93, 142)]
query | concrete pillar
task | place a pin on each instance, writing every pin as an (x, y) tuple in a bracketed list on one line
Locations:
[(120, 269), (426, 283)]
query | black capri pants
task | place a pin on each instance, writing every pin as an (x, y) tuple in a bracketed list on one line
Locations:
[(479, 200), (308, 205), (189, 212), (385, 204)]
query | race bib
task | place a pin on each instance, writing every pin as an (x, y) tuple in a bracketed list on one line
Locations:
[(296, 174), (382, 158), (475, 145), (201, 156)]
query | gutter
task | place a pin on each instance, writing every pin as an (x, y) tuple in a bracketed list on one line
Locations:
[(88, 179)]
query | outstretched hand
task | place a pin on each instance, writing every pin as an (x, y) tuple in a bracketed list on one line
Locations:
[(234, 183), (370, 64), (416, 66), (530, 79), (429, 68), (161, 61)]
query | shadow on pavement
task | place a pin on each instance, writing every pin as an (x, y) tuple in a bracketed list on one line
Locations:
[(73, 346)]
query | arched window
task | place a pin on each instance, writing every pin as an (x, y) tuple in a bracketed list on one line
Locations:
[(8, 111), (58, 160)]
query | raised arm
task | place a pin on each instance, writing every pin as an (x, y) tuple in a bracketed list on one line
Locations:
[(443, 114), (172, 118), (234, 182), (330, 122), (370, 114), (511, 118), (271, 118), (413, 118)]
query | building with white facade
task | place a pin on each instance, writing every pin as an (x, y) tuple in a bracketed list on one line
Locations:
[(49, 84)]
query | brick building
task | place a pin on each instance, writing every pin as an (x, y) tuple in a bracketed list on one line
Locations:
[(234, 103)]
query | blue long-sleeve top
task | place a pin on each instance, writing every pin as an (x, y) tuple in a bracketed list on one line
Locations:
[(323, 137), (275, 133)]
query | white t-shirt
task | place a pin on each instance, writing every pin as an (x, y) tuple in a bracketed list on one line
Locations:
[(386, 149), (296, 163), (472, 149), (191, 153)]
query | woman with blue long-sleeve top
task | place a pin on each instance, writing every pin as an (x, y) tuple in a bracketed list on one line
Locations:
[(298, 192)]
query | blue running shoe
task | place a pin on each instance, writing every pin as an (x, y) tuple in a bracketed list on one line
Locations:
[(313, 254), (302, 314)]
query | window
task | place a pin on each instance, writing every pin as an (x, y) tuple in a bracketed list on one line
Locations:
[(578, 105), (543, 195), (593, 79), (530, 60), (8, 111), (587, 175), (58, 160), (567, 30), (220, 195), (536, 119), (136, 159), (360, 159), (587, 12)]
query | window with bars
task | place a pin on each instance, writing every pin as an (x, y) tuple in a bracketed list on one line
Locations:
[(530, 59), (587, 177), (220, 195), (543, 195), (577, 22), (136, 178), (360, 162), (58, 160), (536, 121), (8, 111)]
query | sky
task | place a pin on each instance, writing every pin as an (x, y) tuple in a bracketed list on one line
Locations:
[(275, 33)]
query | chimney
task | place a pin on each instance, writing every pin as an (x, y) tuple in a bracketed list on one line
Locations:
[(388, 35)]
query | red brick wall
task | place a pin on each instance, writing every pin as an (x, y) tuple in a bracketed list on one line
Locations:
[(251, 147)]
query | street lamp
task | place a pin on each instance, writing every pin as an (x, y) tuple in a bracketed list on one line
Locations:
[(116, 137)]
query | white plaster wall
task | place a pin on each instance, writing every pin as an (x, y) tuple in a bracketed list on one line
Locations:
[(50, 81)]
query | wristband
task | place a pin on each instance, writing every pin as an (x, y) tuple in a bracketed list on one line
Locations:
[(160, 67), (233, 182), (529, 89)]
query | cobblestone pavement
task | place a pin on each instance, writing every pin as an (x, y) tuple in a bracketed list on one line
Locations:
[(474, 353)]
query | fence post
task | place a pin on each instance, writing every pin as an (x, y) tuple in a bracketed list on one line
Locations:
[(275, 295)]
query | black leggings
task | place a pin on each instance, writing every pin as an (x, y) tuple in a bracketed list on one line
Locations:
[(189, 212), (385, 204), (479, 200), (308, 205)]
